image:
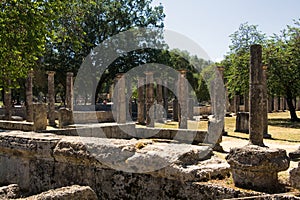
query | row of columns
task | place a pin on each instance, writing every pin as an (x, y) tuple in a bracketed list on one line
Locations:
[(273, 104), (51, 96), (152, 108)]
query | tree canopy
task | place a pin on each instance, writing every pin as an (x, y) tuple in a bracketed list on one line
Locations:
[(23, 34), (237, 61), (88, 25), (281, 55)]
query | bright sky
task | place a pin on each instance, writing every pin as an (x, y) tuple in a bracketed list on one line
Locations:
[(210, 22)]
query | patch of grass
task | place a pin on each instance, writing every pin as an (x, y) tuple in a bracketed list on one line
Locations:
[(167, 125), (280, 127)]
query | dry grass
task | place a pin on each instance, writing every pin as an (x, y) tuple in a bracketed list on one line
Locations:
[(280, 127)]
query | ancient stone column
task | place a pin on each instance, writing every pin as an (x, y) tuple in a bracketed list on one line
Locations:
[(275, 103), (256, 166), (69, 91), (257, 95), (149, 99), (115, 97), (7, 100), (265, 101), (128, 98), (281, 104), (227, 102), (236, 103), (141, 100), (270, 100), (246, 102), (111, 92), (221, 72), (182, 99), (190, 111), (165, 98), (285, 104), (175, 110), (212, 97), (121, 111), (28, 86), (51, 98), (231, 105), (159, 99)]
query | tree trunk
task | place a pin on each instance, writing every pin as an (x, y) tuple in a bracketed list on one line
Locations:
[(289, 99)]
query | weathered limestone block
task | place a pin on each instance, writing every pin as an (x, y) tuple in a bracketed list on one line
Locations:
[(39, 116), (38, 162), (256, 167), (295, 177), (74, 192), (10, 192), (242, 122), (144, 155), (213, 168), (22, 154), (65, 117), (16, 125)]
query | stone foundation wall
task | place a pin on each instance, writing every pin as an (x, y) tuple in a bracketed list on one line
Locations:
[(16, 125), (92, 116), (16, 111), (40, 162)]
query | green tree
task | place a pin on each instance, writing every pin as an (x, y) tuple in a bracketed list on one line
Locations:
[(23, 33), (237, 61), (283, 58), (93, 23), (197, 71)]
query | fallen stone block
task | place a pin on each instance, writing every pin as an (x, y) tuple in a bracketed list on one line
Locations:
[(255, 167)]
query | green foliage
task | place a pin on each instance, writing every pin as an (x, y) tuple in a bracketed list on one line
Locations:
[(202, 91), (175, 59), (198, 71), (281, 53), (23, 33), (90, 24), (237, 60), (283, 56)]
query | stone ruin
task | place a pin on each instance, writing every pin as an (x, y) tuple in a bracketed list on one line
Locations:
[(92, 166), (256, 166), (40, 162)]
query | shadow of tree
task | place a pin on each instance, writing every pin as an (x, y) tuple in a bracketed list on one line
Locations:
[(283, 122)]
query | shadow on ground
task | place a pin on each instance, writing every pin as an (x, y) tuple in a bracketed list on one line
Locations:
[(283, 122)]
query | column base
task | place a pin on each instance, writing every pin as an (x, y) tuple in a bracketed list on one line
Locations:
[(255, 167)]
